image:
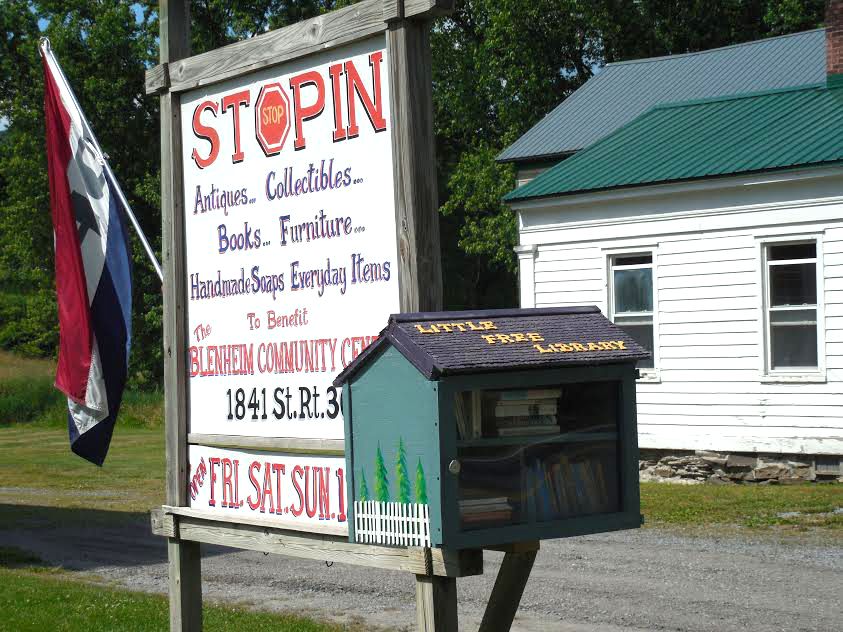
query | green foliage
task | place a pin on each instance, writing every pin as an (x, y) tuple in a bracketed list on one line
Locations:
[(363, 494), (421, 485), (26, 399), (105, 48), (499, 66), (381, 480), (791, 16), (27, 396), (402, 479)]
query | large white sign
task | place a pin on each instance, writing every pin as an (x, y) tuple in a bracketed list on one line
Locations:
[(290, 240)]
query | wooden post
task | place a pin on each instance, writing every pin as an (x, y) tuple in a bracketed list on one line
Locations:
[(184, 557), (414, 160), (509, 587), (417, 219), (436, 604)]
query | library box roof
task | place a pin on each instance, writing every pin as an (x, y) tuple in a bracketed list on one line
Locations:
[(480, 341)]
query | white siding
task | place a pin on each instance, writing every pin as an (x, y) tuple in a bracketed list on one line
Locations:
[(710, 391)]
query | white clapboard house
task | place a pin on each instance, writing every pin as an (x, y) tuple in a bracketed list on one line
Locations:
[(698, 200)]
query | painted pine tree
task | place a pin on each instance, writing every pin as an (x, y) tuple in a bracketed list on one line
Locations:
[(363, 494), (421, 486), (381, 480), (402, 478)]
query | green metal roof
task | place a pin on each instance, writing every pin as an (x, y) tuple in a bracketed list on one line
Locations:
[(763, 131)]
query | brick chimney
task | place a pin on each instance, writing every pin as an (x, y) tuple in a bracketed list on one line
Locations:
[(834, 42)]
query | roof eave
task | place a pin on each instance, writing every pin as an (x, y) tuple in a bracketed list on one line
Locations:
[(644, 186)]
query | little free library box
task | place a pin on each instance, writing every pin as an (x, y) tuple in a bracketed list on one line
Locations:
[(482, 428)]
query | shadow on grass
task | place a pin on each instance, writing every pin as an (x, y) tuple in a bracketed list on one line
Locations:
[(83, 539)]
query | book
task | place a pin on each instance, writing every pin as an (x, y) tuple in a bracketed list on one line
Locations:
[(526, 420), (534, 393), (559, 486), (527, 431), (476, 414), (491, 516), (470, 502), (515, 409), (460, 414)]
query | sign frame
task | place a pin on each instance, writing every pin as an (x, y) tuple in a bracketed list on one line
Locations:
[(406, 27)]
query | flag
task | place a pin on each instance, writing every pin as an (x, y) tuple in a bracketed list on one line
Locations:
[(93, 271)]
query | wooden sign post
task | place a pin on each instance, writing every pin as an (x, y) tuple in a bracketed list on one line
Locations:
[(236, 83)]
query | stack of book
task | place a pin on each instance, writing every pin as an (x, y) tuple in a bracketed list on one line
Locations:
[(557, 487), (527, 412), (480, 510)]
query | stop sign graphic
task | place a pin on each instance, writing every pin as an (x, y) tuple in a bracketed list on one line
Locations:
[(272, 116)]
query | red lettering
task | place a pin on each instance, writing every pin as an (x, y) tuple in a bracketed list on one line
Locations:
[(206, 133), (214, 460), (373, 106), (339, 129), (306, 113), (297, 512), (236, 504), (267, 489), (278, 468), (254, 504), (233, 102), (310, 490), (341, 486), (324, 492), (195, 366), (227, 487)]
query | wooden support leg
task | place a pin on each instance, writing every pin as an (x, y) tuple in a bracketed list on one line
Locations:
[(185, 586), (436, 604), (506, 595)]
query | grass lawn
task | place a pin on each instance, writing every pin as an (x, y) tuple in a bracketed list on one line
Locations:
[(753, 506), (39, 469), (33, 598)]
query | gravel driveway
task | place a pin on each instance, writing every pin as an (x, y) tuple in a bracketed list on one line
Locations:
[(637, 580)]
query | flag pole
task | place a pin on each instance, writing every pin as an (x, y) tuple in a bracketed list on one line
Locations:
[(45, 49)]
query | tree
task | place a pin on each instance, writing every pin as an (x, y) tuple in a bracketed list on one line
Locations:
[(501, 65), (381, 480), (402, 479), (498, 67), (421, 485), (363, 495)]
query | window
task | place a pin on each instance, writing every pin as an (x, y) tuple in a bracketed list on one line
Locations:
[(631, 298), (790, 306)]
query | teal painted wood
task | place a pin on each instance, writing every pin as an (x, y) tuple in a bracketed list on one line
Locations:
[(448, 451), (750, 133), (392, 404), (545, 530), (348, 423), (630, 485)]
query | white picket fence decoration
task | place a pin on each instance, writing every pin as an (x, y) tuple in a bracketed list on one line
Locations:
[(400, 524)]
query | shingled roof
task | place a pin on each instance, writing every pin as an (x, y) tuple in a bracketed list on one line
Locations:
[(621, 91), (450, 343)]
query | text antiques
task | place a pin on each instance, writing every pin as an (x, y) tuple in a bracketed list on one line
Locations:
[(471, 429)]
